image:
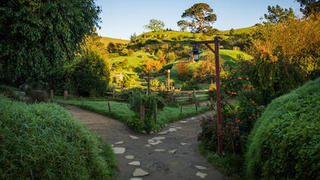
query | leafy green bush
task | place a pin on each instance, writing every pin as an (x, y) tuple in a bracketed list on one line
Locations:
[(89, 75), (150, 102), (285, 140), (43, 141)]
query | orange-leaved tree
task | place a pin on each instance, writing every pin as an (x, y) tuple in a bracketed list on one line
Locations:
[(182, 68), (149, 66)]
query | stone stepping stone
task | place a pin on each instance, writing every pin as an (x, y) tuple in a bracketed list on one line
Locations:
[(154, 142), (133, 137), (129, 156), (119, 142), (200, 167), (135, 179), (134, 163), (147, 145), (183, 144), (119, 150), (178, 127), (159, 138), (140, 172), (183, 122), (163, 132), (173, 151), (201, 175), (159, 150), (172, 129)]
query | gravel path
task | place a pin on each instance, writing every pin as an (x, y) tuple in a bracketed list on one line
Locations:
[(171, 154)]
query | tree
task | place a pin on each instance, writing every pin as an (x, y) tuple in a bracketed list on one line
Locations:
[(38, 37), (149, 66), (182, 68), (277, 15), (89, 74), (201, 17), (309, 7), (133, 37), (155, 25)]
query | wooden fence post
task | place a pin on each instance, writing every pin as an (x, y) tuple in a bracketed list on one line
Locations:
[(109, 107), (196, 104), (51, 95), (155, 113), (142, 112), (65, 94)]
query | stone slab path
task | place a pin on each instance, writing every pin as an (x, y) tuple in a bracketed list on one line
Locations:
[(171, 154)]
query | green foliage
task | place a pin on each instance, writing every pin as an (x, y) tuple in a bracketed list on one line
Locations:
[(284, 143), (89, 74), (155, 25), (277, 15), (38, 37), (231, 165), (43, 141), (272, 79), (201, 17), (150, 102), (309, 7)]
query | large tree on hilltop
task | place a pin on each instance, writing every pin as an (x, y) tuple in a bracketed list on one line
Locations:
[(201, 17), (309, 7), (38, 37), (277, 15), (155, 25)]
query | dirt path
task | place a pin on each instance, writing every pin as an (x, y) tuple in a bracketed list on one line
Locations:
[(171, 154)]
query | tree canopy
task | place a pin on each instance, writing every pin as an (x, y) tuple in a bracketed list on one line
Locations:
[(38, 37), (277, 15), (201, 17), (309, 7), (155, 25)]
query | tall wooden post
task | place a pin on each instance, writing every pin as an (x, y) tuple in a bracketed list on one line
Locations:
[(217, 64), (216, 45)]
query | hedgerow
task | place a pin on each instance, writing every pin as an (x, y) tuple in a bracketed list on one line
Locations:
[(284, 143), (43, 141)]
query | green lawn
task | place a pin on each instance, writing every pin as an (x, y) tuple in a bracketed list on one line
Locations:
[(122, 112)]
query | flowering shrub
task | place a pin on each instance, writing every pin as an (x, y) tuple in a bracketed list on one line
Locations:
[(237, 118), (230, 130)]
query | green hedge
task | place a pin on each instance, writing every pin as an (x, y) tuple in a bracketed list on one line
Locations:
[(285, 142), (43, 141)]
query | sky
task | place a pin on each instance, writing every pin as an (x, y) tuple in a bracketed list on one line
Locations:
[(122, 18)]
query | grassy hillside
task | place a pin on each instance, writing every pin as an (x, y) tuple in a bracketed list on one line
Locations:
[(184, 36), (107, 40), (134, 61), (239, 31)]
